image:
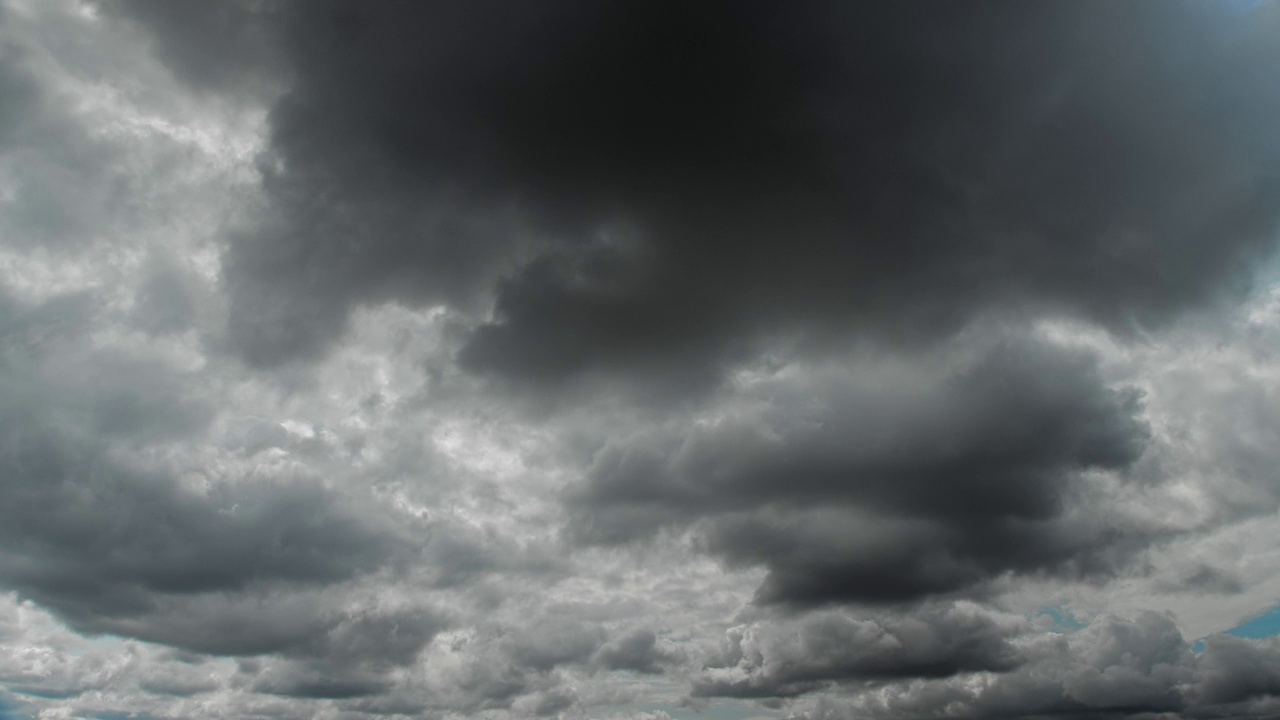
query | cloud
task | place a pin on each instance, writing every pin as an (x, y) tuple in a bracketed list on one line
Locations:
[(638, 650), (794, 658), (180, 684), (212, 47), (884, 486), (577, 360), (1118, 667), (1234, 670), (518, 667), (112, 542), (652, 189)]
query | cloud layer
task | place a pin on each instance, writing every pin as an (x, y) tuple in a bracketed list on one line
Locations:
[(637, 359)]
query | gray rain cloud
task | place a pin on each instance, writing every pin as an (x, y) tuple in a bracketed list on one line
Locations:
[(638, 359), (657, 188), (895, 485)]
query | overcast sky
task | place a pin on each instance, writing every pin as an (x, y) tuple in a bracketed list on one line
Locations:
[(639, 360)]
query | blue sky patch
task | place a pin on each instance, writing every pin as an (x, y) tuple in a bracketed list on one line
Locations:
[(1263, 626), (8, 712), (1063, 620)]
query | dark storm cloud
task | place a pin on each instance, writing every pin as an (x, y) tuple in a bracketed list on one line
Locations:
[(1235, 670), (113, 544), (342, 654), (884, 486), (94, 541), (523, 668), (1139, 667), (654, 187), (105, 547), (459, 554), (638, 650), (652, 193), (784, 660)]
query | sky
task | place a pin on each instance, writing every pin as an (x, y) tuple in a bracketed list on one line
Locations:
[(628, 360)]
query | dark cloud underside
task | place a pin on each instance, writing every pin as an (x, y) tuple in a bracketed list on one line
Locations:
[(829, 648), (114, 545), (653, 187), (1138, 667), (884, 487)]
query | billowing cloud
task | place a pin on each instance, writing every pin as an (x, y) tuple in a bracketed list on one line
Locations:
[(655, 188), (888, 485), (1117, 668), (638, 650), (781, 659), (636, 359)]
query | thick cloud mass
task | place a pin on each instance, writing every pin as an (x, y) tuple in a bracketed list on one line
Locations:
[(640, 358), (1119, 667), (105, 540), (782, 661), (688, 178), (883, 487)]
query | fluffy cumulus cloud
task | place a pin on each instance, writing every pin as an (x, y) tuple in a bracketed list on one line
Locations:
[(638, 360)]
